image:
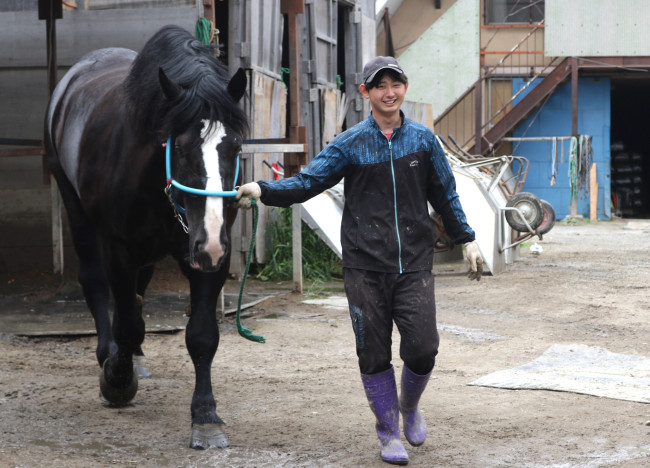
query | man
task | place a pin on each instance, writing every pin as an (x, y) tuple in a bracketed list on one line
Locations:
[(392, 167)]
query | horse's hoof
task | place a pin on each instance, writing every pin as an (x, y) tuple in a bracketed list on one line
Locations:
[(118, 396), (205, 436)]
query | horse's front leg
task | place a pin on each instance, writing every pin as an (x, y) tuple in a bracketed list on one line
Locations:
[(118, 381), (202, 341), (144, 278)]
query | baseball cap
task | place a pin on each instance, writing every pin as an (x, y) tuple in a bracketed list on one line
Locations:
[(371, 68)]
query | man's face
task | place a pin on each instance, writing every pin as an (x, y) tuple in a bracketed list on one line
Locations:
[(387, 97)]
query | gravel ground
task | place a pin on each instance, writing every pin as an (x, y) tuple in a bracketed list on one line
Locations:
[(297, 401)]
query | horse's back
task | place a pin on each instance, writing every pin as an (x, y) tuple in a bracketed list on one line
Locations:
[(95, 75)]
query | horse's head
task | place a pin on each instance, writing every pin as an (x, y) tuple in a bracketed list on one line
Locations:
[(204, 163)]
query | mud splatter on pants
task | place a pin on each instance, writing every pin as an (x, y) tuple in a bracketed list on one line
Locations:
[(376, 300)]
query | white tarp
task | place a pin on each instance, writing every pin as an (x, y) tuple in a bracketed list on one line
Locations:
[(581, 369), (323, 214)]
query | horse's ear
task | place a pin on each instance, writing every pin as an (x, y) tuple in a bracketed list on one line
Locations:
[(170, 89), (237, 85)]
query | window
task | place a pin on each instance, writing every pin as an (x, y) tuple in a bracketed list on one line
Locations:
[(514, 11)]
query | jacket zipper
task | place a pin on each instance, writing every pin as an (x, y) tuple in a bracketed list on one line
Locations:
[(392, 170)]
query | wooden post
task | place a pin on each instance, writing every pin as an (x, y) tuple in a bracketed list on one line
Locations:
[(593, 194), (57, 228), (297, 134), (573, 208), (209, 11), (50, 11), (296, 236), (574, 96)]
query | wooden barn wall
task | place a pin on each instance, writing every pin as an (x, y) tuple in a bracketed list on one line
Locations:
[(255, 44), (267, 111), (315, 76), (23, 94), (25, 202), (256, 30)]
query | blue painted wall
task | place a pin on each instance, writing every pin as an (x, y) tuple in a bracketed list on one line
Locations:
[(554, 119)]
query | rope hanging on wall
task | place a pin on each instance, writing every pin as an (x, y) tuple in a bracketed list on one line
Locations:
[(204, 31), (580, 159)]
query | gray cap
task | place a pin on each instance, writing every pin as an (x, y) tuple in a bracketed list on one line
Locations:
[(379, 63)]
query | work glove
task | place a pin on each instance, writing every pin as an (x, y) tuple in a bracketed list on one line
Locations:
[(475, 261), (246, 192)]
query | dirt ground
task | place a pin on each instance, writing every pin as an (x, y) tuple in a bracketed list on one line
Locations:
[(297, 401)]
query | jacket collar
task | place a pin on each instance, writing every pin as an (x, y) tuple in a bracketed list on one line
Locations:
[(373, 122)]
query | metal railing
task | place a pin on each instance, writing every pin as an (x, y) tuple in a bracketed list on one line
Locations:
[(485, 103)]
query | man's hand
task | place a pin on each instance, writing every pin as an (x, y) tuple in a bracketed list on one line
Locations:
[(475, 261), (246, 192)]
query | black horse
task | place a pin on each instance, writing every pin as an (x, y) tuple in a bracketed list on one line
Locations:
[(110, 122)]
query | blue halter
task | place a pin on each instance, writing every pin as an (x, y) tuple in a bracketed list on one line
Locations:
[(207, 193)]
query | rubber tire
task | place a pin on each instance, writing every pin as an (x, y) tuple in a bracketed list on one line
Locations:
[(531, 207), (549, 218)]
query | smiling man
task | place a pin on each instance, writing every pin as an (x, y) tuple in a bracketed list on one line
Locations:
[(392, 167)]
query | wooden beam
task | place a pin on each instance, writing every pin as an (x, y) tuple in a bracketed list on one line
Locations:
[(297, 134), (296, 247), (209, 11), (273, 148), (593, 193), (50, 11), (22, 152), (614, 62), (574, 96)]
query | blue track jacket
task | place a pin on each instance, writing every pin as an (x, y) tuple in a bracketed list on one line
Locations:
[(386, 225)]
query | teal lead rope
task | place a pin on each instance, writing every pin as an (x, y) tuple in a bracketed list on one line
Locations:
[(243, 331)]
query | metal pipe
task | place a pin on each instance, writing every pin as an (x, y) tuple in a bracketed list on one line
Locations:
[(536, 138)]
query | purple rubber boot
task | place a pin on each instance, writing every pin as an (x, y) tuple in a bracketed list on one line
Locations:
[(381, 392), (415, 428)]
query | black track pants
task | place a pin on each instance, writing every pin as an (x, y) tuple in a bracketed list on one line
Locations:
[(376, 300)]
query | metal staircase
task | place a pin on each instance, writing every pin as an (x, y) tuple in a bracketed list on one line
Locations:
[(472, 122), (518, 113)]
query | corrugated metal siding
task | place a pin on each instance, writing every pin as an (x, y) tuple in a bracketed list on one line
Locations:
[(444, 61), (597, 28), (554, 119)]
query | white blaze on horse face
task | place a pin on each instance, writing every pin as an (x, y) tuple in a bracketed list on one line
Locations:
[(213, 217)]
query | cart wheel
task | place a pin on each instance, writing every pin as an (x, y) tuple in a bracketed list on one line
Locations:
[(548, 221), (530, 206)]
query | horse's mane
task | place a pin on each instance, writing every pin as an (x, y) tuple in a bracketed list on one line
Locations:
[(203, 80)]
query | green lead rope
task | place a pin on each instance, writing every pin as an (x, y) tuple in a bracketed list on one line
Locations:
[(243, 331), (202, 30)]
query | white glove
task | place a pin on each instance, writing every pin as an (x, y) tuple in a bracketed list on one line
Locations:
[(475, 261), (246, 192)]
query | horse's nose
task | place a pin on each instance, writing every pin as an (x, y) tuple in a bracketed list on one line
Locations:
[(207, 256), (201, 261)]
